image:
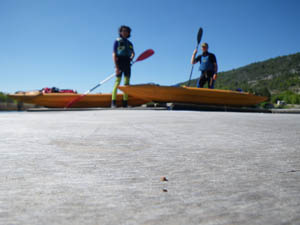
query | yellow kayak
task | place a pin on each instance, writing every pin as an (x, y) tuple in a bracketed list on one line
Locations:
[(192, 95), (60, 100)]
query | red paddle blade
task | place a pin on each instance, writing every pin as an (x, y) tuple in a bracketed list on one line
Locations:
[(145, 55)]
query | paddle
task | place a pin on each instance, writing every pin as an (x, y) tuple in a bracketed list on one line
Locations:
[(141, 57), (199, 36)]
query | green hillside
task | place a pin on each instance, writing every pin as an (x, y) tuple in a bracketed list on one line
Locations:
[(277, 78)]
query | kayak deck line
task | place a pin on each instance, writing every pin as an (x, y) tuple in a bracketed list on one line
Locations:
[(214, 108), (93, 109)]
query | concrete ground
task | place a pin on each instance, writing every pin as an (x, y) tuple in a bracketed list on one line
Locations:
[(106, 166)]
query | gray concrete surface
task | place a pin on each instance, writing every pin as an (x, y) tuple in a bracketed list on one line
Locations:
[(105, 167)]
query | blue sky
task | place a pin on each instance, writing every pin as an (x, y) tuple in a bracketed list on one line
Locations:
[(68, 43)]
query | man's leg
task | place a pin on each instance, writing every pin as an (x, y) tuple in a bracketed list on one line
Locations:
[(202, 80), (211, 81)]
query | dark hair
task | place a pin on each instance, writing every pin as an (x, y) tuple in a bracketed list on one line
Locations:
[(124, 27)]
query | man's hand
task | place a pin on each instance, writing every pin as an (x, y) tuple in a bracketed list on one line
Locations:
[(215, 76), (195, 51)]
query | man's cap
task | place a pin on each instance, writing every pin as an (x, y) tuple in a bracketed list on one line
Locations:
[(204, 45)]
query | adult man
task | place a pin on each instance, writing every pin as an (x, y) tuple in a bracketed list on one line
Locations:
[(208, 66)]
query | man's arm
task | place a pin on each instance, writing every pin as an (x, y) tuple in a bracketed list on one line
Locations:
[(215, 70), (214, 60)]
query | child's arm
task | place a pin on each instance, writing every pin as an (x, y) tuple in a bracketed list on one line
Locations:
[(115, 59)]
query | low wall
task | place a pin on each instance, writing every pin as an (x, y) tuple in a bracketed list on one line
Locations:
[(4, 106)]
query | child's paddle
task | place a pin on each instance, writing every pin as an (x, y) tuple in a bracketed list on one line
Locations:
[(141, 57)]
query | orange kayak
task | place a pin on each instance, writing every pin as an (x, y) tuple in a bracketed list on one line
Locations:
[(60, 100), (192, 95)]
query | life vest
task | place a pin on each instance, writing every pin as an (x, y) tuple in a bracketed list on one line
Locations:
[(206, 63), (124, 47)]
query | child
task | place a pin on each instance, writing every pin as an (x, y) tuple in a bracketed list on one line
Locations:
[(123, 53)]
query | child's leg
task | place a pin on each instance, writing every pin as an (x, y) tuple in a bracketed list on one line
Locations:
[(115, 89), (126, 82)]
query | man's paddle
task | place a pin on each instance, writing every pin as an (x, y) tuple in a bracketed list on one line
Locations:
[(141, 57), (199, 36)]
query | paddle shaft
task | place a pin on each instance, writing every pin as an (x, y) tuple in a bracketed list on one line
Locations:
[(199, 37), (104, 81), (141, 57), (192, 68)]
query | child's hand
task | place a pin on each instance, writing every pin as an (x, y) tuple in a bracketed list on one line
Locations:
[(117, 71)]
